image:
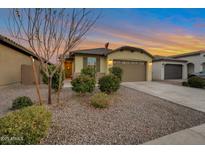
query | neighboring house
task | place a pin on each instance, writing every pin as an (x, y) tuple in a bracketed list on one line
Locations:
[(195, 61), (165, 68), (135, 62), (15, 63), (178, 66)]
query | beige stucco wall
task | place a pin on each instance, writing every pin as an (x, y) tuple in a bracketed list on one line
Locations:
[(78, 64), (128, 55), (103, 65), (10, 65)]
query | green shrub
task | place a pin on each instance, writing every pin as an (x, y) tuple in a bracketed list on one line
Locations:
[(55, 78), (44, 76), (21, 102), (185, 84), (117, 71), (196, 82), (83, 84), (89, 71), (26, 126), (109, 84), (100, 100), (66, 73)]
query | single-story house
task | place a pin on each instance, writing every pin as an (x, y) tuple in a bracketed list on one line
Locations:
[(178, 66), (136, 63), (15, 63), (195, 61), (165, 68)]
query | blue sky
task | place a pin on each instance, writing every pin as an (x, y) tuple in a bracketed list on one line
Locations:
[(159, 31)]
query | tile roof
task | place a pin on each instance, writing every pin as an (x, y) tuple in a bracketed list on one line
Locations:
[(131, 48), (12, 44), (94, 51), (7, 41), (161, 58), (105, 52), (188, 54)]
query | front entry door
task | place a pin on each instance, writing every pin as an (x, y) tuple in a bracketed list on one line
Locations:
[(68, 69)]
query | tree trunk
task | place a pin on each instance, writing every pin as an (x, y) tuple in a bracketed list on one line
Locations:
[(59, 84), (49, 89), (36, 81)]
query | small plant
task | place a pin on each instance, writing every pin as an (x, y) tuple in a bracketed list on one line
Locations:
[(83, 84), (55, 78), (66, 73), (21, 102), (89, 71), (196, 82), (185, 84), (100, 100), (26, 126), (109, 84), (117, 71)]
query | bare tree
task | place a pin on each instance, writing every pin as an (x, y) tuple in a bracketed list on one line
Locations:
[(51, 33)]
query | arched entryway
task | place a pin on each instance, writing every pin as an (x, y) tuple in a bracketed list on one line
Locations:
[(190, 68)]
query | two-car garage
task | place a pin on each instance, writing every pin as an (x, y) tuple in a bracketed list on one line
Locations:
[(132, 70), (136, 63)]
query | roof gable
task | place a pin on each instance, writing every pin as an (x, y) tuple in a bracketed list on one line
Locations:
[(132, 49)]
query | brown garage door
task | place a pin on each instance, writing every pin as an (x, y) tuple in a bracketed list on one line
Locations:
[(132, 70), (173, 71)]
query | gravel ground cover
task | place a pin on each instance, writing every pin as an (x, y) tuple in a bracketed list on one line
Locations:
[(132, 118), (9, 93)]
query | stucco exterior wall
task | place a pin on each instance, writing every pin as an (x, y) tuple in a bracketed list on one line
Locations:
[(103, 65), (78, 64), (10, 65), (197, 60), (128, 55), (158, 69)]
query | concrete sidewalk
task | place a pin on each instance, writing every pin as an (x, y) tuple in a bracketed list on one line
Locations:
[(189, 97), (67, 84), (191, 136)]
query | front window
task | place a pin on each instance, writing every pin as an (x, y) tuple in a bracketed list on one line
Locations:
[(91, 62)]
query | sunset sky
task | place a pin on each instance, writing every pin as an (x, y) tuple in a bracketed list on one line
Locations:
[(159, 31)]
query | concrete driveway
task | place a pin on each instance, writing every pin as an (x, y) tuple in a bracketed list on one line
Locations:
[(189, 97)]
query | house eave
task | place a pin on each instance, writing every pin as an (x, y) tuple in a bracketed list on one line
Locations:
[(170, 60)]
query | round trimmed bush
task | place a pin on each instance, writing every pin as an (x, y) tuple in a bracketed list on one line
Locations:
[(21, 102), (89, 71), (117, 71), (109, 84), (83, 84), (26, 126), (196, 82), (100, 100)]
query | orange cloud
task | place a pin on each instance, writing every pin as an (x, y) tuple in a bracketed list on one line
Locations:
[(155, 42)]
